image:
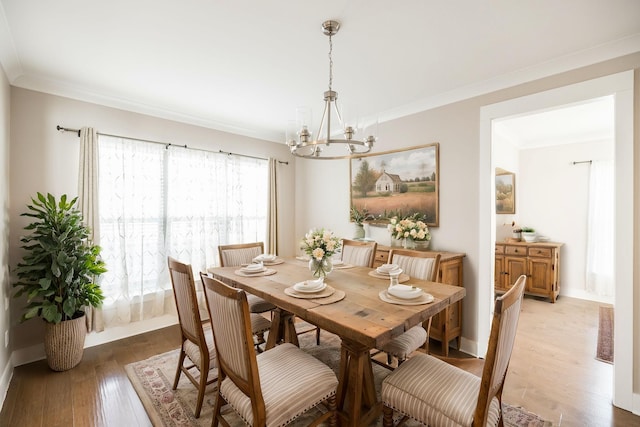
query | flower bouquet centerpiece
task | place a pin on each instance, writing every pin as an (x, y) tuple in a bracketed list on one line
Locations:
[(413, 232), (320, 245)]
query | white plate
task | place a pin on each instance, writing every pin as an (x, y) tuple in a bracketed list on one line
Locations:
[(308, 287), (388, 272), (265, 257), (404, 291), (259, 268)]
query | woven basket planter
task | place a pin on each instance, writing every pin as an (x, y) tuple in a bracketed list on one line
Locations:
[(64, 343)]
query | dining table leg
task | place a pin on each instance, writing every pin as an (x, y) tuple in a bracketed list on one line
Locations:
[(356, 394), (282, 329)]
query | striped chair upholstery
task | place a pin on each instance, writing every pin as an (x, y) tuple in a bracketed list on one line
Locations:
[(358, 252), (269, 389), (436, 393), (244, 253), (420, 265)]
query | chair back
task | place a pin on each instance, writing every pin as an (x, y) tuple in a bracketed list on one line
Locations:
[(231, 324), (359, 253), (184, 292), (417, 264), (238, 254), (501, 339)]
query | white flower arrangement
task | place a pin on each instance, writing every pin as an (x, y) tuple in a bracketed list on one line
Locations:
[(408, 229), (320, 243)]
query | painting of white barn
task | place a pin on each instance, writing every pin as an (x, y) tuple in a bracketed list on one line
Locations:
[(388, 182)]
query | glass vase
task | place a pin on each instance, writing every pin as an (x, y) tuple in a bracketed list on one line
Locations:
[(320, 268)]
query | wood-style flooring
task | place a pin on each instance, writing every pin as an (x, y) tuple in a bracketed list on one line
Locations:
[(553, 373)]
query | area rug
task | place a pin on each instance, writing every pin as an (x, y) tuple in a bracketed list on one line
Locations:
[(604, 349), (153, 378)]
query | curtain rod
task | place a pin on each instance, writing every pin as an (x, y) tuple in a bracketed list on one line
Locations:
[(584, 161), (168, 144)]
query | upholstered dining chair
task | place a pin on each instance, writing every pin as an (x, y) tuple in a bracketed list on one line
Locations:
[(197, 338), (360, 253), (436, 393), (419, 265), (269, 389), (244, 253)]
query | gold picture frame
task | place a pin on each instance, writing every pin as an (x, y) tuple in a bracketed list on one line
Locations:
[(399, 182), (505, 192)]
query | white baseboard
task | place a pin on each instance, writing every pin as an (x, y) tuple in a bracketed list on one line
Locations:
[(582, 294), (136, 328), (469, 346), (5, 380), (36, 352)]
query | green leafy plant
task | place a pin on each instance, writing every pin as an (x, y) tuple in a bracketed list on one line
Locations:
[(359, 216), (527, 230), (60, 267)]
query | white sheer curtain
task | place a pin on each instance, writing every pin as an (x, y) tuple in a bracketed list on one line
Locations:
[(132, 220), (272, 218), (599, 277), (157, 202)]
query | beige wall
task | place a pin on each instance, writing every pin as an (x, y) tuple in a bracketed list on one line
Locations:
[(5, 286), (456, 127), (45, 160)]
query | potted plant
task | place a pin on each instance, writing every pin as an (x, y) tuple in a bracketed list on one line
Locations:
[(359, 217), (528, 234), (58, 274)]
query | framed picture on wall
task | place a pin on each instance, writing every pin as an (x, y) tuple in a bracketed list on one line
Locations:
[(505, 192), (397, 183)]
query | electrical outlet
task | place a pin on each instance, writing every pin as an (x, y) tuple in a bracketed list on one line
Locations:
[(6, 338)]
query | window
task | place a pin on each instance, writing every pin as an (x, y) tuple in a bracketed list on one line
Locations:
[(158, 201)]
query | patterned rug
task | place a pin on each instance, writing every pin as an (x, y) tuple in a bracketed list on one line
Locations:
[(604, 350), (152, 379)]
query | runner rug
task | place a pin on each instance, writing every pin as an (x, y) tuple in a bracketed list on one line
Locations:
[(604, 349), (153, 378)]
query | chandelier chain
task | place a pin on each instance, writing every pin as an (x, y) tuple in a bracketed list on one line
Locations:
[(330, 62)]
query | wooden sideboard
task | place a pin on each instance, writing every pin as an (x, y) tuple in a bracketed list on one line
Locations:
[(540, 262), (447, 324)]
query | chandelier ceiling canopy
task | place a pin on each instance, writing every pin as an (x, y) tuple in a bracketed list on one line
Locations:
[(301, 140)]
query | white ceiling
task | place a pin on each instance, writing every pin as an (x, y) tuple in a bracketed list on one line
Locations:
[(244, 66), (593, 120)]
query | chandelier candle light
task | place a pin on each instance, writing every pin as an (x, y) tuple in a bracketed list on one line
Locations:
[(305, 145)]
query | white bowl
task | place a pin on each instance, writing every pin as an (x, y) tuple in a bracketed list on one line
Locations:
[(310, 286), (387, 267), (252, 268), (265, 257), (529, 237), (404, 291)]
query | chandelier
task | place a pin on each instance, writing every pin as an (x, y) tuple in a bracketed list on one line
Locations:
[(301, 142)]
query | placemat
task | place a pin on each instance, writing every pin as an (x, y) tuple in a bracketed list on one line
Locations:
[(401, 279), (267, 272), (326, 292), (424, 299)]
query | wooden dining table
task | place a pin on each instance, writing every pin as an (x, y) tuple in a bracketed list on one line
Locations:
[(361, 319)]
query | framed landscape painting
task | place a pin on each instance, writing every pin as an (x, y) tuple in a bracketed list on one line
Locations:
[(397, 183), (505, 192)]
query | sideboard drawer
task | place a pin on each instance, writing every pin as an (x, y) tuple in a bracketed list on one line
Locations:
[(382, 257), (515, 250), (540, 252), (499, 249)]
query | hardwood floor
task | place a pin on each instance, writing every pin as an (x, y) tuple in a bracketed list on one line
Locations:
[(553, 373)]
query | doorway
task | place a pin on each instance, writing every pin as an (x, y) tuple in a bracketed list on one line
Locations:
[(621, 87)]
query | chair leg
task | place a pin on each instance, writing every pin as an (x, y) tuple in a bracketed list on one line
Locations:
[(317, 336), (333, 420), (217, 409), (387, 416), (179, 370), (204, 376)]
